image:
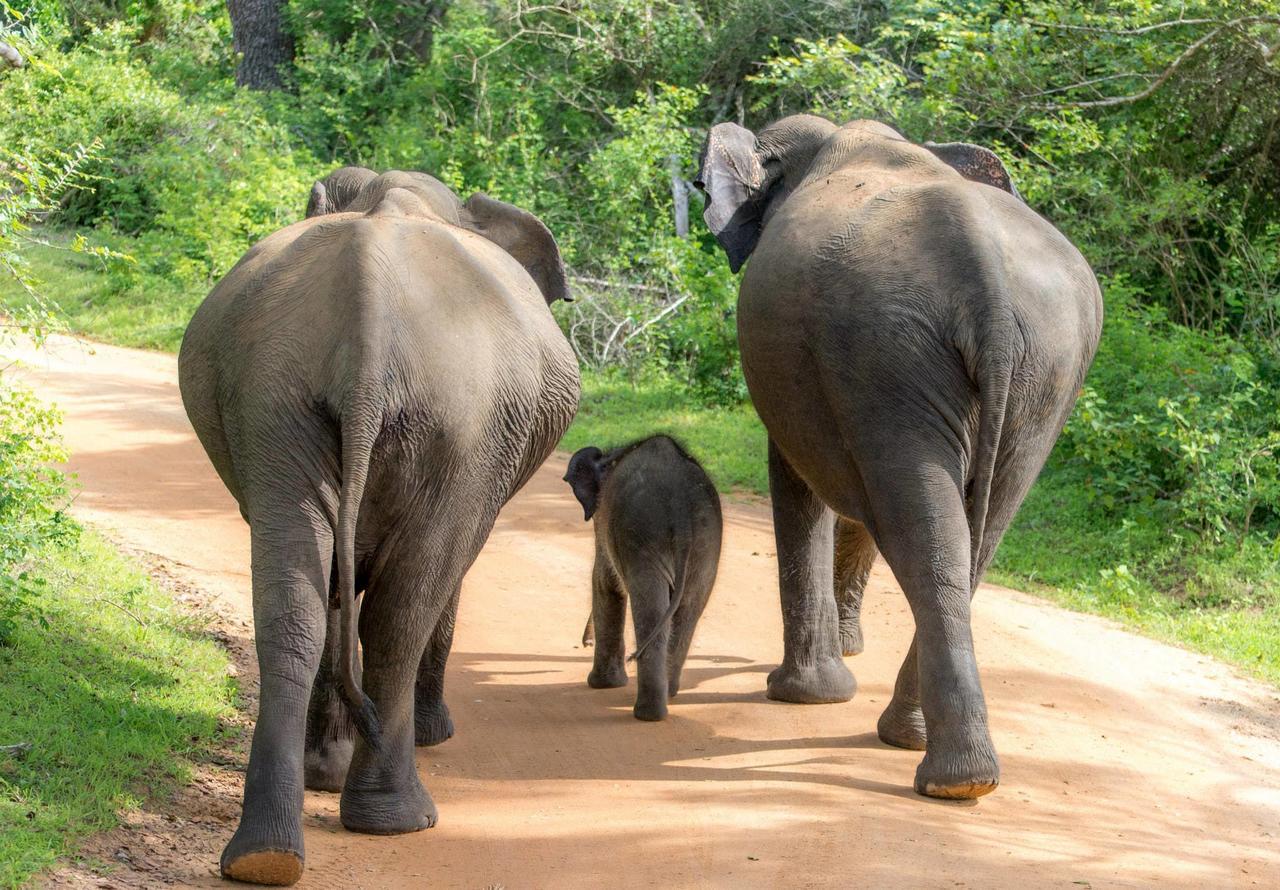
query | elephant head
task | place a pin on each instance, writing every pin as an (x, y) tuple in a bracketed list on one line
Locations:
[(746, 177), (518, 232), (337, 190), (585, 476)]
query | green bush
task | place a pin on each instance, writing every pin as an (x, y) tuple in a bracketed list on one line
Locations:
[(195, 181), (1179, 426), (32, 498)]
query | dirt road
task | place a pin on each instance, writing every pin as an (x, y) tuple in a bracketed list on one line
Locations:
[(1125, 762)]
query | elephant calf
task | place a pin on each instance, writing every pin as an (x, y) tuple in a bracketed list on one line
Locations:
[(658, 530)]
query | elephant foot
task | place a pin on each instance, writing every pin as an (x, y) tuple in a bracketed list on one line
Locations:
[(650, 709), (253, 861), (826, 681), (902, 725), (851, 638), (388, 812), (609, 679), (958, 773), (432, 727), (325, 767)]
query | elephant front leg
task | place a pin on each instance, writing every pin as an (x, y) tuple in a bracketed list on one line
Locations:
[(855, 551), (812, 671), (608, 615), (431, 721), (289, 625), (331, 733)]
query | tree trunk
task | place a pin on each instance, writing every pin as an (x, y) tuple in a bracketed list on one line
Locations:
[(679, 197), (416, 24), (263, 41)]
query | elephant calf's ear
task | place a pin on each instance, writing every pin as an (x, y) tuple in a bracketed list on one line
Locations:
[(732, 177), (584, 477), (974, 163), (522, 235)]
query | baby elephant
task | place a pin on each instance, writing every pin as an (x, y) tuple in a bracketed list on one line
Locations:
[(658, 528)]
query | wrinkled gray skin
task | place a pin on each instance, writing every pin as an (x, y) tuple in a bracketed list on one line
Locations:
[(658, 529), (372, 386), (337, 190), (914, 340)]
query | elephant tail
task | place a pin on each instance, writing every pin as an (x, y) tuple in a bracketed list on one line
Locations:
[(994, 374), (675, 588), (359, 430)]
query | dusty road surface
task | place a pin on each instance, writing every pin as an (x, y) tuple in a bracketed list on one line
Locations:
[(1125, 762)]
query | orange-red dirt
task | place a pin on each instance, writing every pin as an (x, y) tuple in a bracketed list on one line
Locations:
[(1126, 762)]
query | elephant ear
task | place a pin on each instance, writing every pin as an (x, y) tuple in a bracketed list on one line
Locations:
[(522, 235), (584, 477), (974, 163), (732, 177), (318, 203)]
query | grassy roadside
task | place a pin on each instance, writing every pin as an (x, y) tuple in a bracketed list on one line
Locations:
[(118, 303), (113, 690), (1057, 548)]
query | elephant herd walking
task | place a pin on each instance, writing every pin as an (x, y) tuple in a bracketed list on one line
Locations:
[(375, 382)]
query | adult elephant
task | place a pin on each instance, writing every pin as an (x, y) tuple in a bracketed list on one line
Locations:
[(372, 386), (913, 337)]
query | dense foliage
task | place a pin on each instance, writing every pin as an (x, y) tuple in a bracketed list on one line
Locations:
[(32, 491), (1148, 130)]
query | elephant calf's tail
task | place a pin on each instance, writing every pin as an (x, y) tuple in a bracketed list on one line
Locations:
[(676, 589), (358, 435)]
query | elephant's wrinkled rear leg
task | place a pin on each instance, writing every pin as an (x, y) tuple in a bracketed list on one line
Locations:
[(331, 733), (812, 671), (608, 614), (650, 596), (925, 537), (290, 580), (431, 721), (855, 551), (405, 600), (902, 723)]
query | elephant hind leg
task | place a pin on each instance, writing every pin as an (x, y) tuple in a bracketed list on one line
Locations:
[(650, 596), (902, 723), (407, 597), (331, 733), (290, 579), (685, 621), (923, 531), (432, 723), (608, 617), (855, 551)]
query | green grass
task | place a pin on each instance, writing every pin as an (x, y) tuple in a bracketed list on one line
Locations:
[(119, 303), (113, 695), (729, 442)]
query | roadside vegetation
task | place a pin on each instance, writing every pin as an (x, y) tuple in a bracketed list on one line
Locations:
[(110, 691), (106, 687), (1145, 129)]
